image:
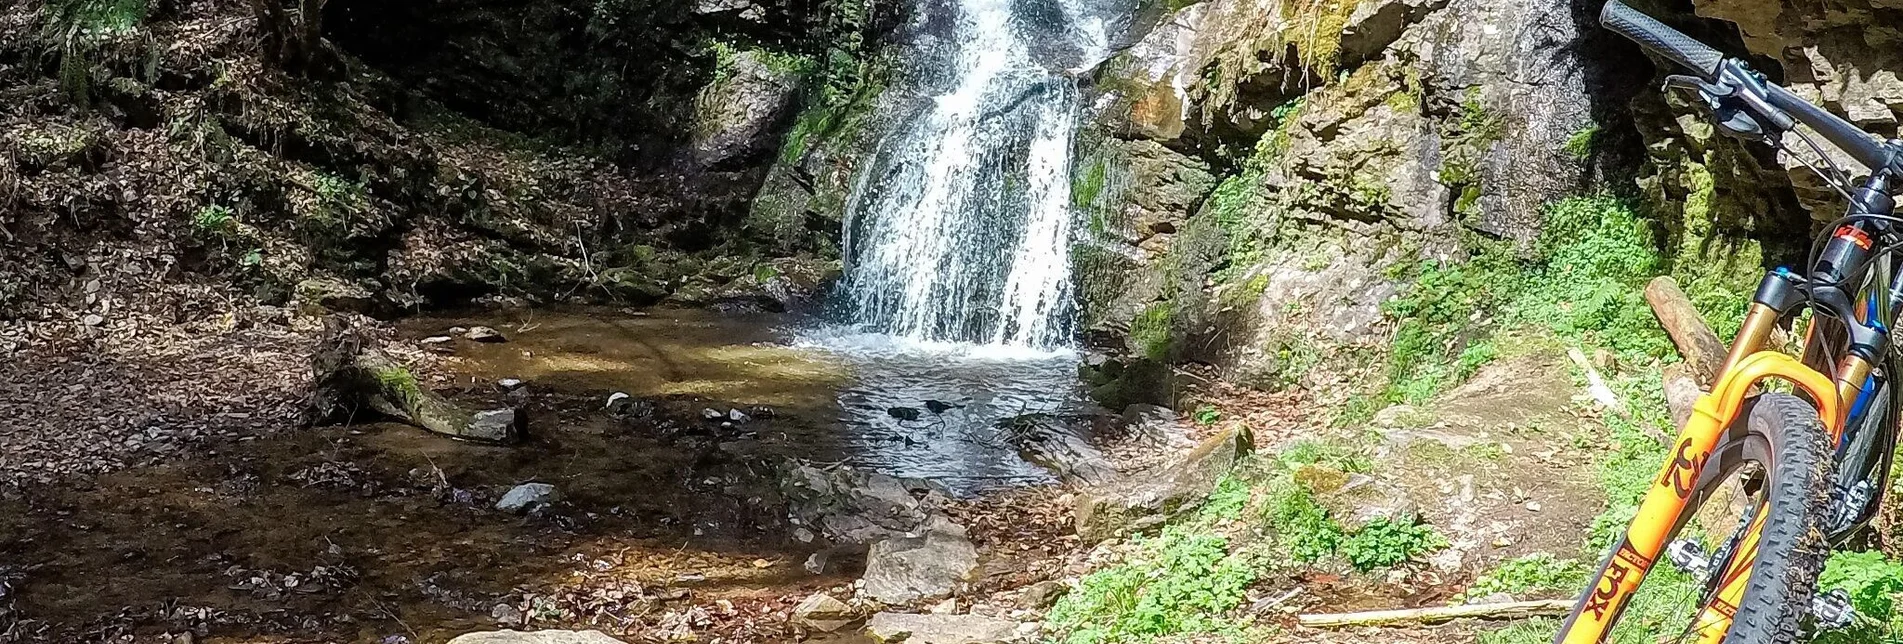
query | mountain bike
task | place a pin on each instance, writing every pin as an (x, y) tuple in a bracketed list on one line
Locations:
[(1767, 478)]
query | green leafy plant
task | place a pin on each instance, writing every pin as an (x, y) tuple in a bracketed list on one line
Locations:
[(1179, 582), (214, 222), (1206, 415), (1386, 542)]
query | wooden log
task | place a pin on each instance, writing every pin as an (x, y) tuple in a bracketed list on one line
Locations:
[(1681, 391), (1701, 348), (1504, 610), (355, 380)]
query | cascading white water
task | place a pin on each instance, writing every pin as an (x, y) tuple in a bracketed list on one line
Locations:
[(960, 229)]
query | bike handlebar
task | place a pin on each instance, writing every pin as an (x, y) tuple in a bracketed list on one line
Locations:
[(1712, 66), (1665, 41)]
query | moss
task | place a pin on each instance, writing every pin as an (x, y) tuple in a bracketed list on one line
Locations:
[(1313, 28), (1580, 144), (400, 385), (1152, 331)]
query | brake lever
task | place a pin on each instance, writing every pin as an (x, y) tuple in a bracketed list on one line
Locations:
[(1726, 103)]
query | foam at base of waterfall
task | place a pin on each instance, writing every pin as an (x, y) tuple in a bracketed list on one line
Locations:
[(855, 341)]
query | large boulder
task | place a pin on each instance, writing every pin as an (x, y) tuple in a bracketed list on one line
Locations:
[(1143, 501), (536, 637), (903, 570), (750, 96), (939, 629)]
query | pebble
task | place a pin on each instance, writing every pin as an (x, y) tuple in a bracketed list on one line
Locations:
[(434, 339), (711, 414), (738, 416), (528, 496), (512, 384)]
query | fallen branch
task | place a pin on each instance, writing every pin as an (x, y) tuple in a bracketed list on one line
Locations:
[(1503, 610), (1696, 343), (1596, 385)]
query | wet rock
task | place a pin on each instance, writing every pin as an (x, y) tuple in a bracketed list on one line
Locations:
[(939, 629), (536, 637), (1047, 441), (849, 506), (484, 334), (1153, 425), (497, 425), (907, 569), (1144, 501), (528, 496), (738, 416), (907, 414), (939, 406), (821, 612), (816, 563)]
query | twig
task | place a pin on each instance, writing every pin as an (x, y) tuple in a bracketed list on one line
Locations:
[(1504, 610)]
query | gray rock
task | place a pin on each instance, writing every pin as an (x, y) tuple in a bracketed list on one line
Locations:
[(1153, 424), (821, 612), (738, 416), (1141, 502), (1042, 594), (939, 629), (528, 496), (435, 340), (496, 425), (510, 384), (848, 506), (712, 414), (817, 562), (484, 334), (536, 637), (320, 294), (908, 569)]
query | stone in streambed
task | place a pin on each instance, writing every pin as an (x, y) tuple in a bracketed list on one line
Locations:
[(939, 629), (536, 637), (821, 612), (908, 569), (528, 496), (496, 425), (484, 334)]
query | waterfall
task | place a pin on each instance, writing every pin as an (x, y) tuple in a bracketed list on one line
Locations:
[(959, 230)]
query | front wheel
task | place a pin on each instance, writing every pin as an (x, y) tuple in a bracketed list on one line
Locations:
[(1770, 466), (1784, 435)]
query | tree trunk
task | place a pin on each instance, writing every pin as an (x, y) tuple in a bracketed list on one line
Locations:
[(1701, 348), (292, 36)]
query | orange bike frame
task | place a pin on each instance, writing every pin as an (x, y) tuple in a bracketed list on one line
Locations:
[(1645, 538)]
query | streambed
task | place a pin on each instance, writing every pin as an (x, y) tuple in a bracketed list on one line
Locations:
[(910, 409)]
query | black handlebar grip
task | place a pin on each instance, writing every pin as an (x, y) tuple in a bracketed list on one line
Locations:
[(1663, 40)]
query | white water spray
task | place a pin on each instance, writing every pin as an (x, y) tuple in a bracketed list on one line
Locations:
[(960, 231)]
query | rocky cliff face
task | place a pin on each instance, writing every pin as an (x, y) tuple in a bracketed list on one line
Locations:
[(1267, 172)]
